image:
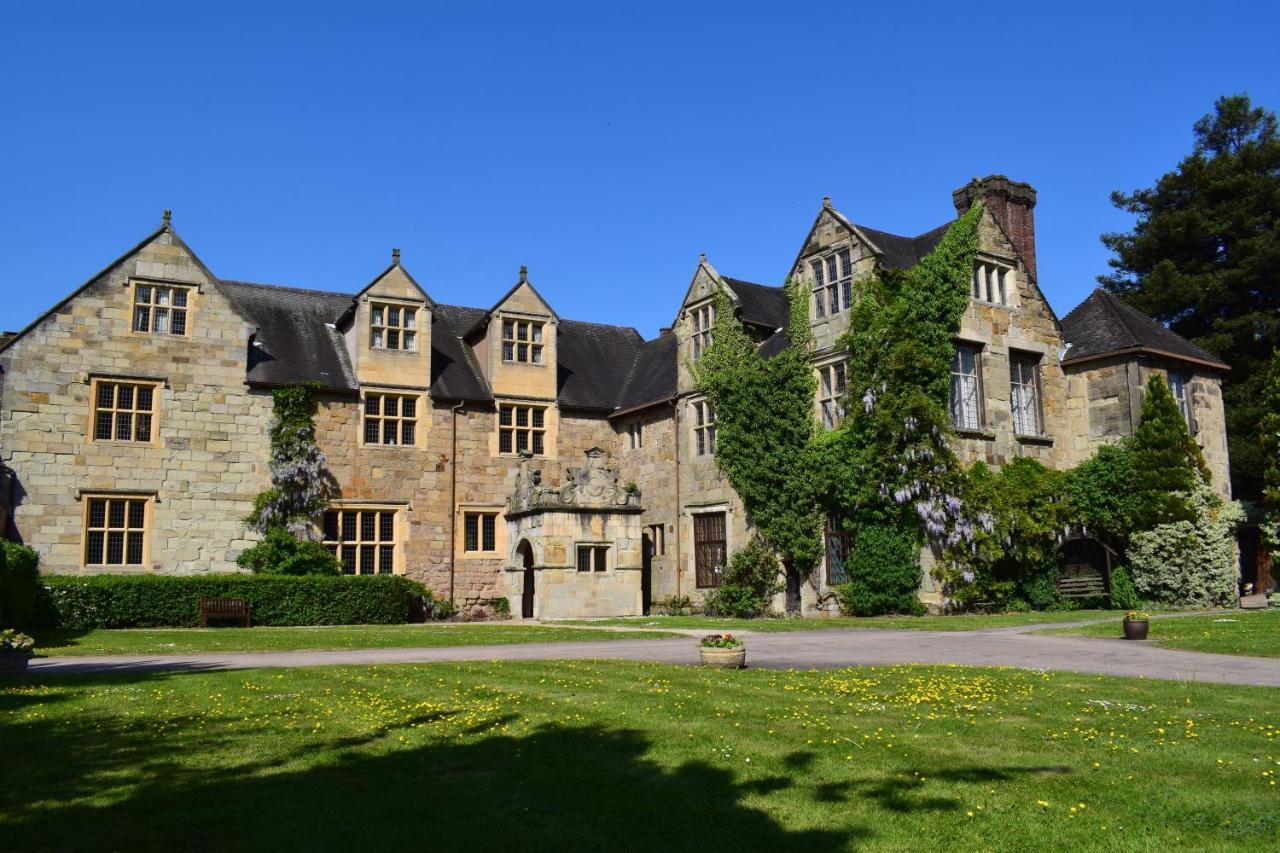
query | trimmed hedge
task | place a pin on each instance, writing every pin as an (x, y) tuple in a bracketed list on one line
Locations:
[(19, 586), (151, 601)]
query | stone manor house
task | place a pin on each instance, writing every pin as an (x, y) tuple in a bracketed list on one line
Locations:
[(506, 451)]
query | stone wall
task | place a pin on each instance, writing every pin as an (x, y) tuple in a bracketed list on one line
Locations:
[(208, 458)]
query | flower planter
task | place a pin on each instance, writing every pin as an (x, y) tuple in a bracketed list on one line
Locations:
[(724, 658), (14, 663), (1136, 629)]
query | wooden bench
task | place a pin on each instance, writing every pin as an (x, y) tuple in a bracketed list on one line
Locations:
[(1082, 585), (230, 609)]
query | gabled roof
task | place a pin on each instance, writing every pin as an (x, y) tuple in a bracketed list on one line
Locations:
[(593, 363), (296, 340), (900, 253), (395, 262), (1104, 325), (652, 378), (760, 304)]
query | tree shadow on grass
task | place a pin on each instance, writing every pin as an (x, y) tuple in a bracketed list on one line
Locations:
[(196, 786)]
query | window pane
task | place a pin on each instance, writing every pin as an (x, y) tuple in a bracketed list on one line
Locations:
[(537, 443), (134, 555), (522, 352), (137, 514), (387, 526), (377, 338), (349, 559), (102, 427), (368, 526), (376, 315), (331, 526), (490, 537), (409, 407), (522, 440), (115, 513), (409, 341), (602, 559), (522, 416), (508, 352), (93, 549), (142, 296), (846, 264), (393, 316), (106, 395), (141, 315), (180, 297), (410, 318), (537, 333), (584, 559), (522, 331), (537, 418), (142, 428), (97, 513), (371, 430), (471, 532), (508, 330), (161, 317), (349, 526), (124, 397), (115, 548), (367, 556), (386, 559), (391, 407), (145, 394), (817, 273), (393, 339), (504, 441), (408, 433), (536, 355), (179, 322)]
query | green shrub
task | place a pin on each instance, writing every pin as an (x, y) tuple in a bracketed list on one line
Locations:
[(19, 585), (1123, 595), (149, 601), (1190, 563), (884, 572), (441, 609), (501, 606), (282, 553), (748, 582)]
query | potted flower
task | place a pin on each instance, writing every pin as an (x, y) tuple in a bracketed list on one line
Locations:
[(1136, 624), (723, 650), (15, 651)]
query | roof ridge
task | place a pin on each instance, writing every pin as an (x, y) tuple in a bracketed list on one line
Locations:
[(265, 286), (1114, 304)]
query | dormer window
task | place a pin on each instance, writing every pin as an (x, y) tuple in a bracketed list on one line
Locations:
[(393, 327), (522, 341), (160, 309), (832, 283), (992, 283), (704, 320)]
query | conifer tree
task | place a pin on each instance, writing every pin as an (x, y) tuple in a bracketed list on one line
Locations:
[(1166, 459)]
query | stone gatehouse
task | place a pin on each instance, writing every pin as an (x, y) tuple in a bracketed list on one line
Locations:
[(505, 451)]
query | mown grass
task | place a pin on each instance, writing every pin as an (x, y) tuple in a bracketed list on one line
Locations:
[(175, 641), (1238, 632), (963, 622), (631, 756)]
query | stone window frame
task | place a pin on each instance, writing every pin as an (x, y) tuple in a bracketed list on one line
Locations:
[(499, 531), (596, 554), (382, 392), (1179, 382), (89, 525), (989, 272), (831, 280), (398, 539), (702, 319), (1020, 362), (833, 385), (703, 423), (635, 434), (406, 328), (657, 535), (980, 413), (136, 382), (534, 434), (534, 341), (191, 294)]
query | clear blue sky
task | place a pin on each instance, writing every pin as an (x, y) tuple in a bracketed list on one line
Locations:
[(602, 144)]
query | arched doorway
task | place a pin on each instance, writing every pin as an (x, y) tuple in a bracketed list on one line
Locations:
[(525, 552)]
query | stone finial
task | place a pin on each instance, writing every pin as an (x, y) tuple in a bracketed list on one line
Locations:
[(167, 217), (826, 201), (702, 257), (395, 257), (524, 273)]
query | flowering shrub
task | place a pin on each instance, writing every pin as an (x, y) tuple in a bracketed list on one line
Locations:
[(300, 481), (720, 641), (13, 643), (1190, 562), (1137, 616)]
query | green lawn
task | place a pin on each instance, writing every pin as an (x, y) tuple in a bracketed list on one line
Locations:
[(175, 641), (1237, 632), (968, 622), (629, 756)]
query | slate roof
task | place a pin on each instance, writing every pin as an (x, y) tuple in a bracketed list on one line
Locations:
[(295, 341), (1105, 325), (900, 252), (761, 304), (455, 374), (594, 362), (652, 378), (5, 337)]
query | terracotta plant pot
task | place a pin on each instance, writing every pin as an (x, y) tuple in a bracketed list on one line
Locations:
[(14, 663), (1136, 629), (724, 658)]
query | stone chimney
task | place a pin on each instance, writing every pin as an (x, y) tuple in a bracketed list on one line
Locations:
[(1012, 203)]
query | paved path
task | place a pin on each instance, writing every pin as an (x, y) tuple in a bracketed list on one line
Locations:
[(792, 650)]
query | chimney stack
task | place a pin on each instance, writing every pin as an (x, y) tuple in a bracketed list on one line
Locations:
[(1012, 203)]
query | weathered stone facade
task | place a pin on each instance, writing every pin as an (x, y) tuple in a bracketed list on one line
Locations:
[(479, 387)]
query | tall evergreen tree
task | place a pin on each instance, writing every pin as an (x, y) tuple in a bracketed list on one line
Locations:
[(1204, 257), (1167, 461), (1271, 435)]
